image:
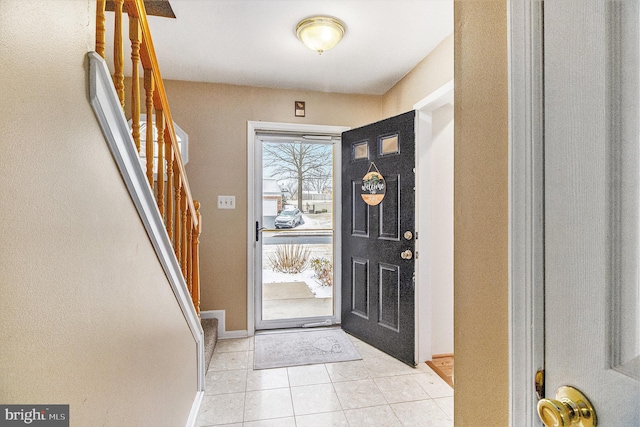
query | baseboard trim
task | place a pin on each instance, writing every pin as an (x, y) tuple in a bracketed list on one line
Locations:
[(435, 356), (195, 409), (107, 108), (222, 328)]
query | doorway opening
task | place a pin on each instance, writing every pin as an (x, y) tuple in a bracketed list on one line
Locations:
[(435, 227), (293, 280)]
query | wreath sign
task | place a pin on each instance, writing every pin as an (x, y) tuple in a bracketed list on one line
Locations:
[(373, 186)]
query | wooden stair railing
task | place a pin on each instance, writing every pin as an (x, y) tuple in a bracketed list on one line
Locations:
[(181, 214)]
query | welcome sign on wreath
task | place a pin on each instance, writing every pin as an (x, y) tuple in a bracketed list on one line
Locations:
[(373, 186)]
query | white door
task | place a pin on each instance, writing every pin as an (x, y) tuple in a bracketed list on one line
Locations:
[(292, 247), (592, 204)]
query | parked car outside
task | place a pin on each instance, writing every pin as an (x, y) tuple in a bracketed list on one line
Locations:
[(289, 218)]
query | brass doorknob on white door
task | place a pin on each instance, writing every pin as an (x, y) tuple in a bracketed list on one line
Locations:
[(569, 408), (407, 254)]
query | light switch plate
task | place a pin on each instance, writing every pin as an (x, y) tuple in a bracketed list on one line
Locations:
[(226, 202)]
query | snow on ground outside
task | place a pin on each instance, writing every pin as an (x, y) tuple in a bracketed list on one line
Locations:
[(307, 276)]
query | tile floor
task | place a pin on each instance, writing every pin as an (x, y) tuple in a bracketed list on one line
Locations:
[(376, 391)]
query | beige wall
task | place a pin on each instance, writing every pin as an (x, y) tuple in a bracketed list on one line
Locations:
[(215, 117), (434, 71), (87, 317), (481, 214)]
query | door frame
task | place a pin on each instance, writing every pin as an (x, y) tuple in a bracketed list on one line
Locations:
[(254, 127), (526, 207), (424, 321)]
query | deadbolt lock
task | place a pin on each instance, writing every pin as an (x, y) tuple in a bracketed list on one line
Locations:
[(408, 235), (407, 254)]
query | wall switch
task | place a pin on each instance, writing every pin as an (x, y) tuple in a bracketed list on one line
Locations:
[(226, 202)]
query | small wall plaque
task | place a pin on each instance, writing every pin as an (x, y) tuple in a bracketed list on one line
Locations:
[(373, 186), (299, 107)]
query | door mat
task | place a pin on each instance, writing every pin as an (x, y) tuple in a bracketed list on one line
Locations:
[(283, 349)]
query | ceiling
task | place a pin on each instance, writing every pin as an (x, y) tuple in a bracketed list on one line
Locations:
[(253, 42)]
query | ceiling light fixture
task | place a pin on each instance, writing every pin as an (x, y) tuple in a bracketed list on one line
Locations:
[(320, 33)]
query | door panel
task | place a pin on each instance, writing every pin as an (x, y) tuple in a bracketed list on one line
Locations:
[(591, 139), (378, 297), (390, 210)]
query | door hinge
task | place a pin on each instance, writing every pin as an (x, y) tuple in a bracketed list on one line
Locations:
[(539, 382)]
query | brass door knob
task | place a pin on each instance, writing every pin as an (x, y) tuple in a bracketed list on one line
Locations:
[(407, 254), (569, 408)]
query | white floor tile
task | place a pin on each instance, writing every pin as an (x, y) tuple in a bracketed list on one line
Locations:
[(313, 399), (377, 391), (266, 404), (326, 419), (265, 379), (423, 413), (276, 422), (250, 359), (446, 404), (378, 416), (229, 345), (434, 385), (358, 394), (229, 361), (402, 388), (308, 375), (347, 371), (224, 382), (366, 350), (385, 366), (221, 409), (353, 339)]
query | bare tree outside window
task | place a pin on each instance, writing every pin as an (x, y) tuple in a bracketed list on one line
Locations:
[(307, 166)]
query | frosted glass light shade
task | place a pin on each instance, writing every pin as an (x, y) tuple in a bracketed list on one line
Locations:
[(320, 33)]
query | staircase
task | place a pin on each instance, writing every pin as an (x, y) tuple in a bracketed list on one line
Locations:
[(210, 328)]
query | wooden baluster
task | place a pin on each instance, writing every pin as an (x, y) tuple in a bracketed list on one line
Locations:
[(118, 52), (169, 216), (100, 27), (177, 188), (183, 232), (135, 36), (195, 275), (189, 253), (160, 173), (149, 88)]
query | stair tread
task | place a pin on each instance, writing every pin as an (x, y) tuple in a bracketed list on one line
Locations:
[(210, 329)]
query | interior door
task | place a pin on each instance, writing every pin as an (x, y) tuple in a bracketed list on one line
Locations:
[(378, 246), (592, 209)]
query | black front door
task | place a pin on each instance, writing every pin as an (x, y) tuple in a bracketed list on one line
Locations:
[(378, 247)]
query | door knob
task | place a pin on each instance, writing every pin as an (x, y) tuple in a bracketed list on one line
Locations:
[(407, 254), (569, 408)]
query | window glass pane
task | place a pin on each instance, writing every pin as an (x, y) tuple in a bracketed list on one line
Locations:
[(360, 151), (297, 239), (389, 145)]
